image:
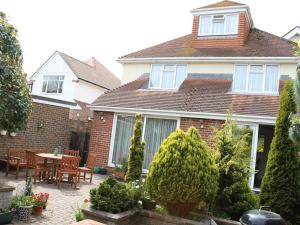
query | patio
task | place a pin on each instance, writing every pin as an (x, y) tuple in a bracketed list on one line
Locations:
[(61, 201)]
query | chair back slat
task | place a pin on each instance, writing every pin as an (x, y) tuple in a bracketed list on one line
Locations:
[(69, 163), (72, 152), (31, 158), (20, 153), (91, 161)]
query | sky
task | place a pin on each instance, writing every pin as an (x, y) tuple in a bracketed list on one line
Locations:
[(112, 28)]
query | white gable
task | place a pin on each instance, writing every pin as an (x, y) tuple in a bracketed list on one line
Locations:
[(293, 35)]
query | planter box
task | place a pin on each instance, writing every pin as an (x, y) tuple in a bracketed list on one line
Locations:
[(6, 194), (7, 217)]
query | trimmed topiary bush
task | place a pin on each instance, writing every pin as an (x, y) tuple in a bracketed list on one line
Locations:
[(182, 173), (280, 186), (136, 152), (111, 196)]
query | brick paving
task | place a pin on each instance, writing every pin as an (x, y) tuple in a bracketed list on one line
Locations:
[(59, 210)]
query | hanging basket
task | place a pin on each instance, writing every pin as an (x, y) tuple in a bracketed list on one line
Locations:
[(3, 132), (294, 133)]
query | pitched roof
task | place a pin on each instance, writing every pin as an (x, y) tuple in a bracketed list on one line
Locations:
[(194, 95), (258, 44), (221, 4), (95, 73)]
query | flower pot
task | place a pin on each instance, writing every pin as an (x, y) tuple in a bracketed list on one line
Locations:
[(6, 217), (148, 204), (12, 134), (3, 132), (24, 212), (38, 210), (119, 175)]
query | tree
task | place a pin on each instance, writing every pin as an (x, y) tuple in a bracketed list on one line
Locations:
[(136, 152), (15, 100), (235, 195), (280, 185), (182, 173)]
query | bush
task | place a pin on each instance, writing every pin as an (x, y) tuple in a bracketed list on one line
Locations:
[(111, 196), (280, 186), (182, 173), (136, 152), (235, 195)]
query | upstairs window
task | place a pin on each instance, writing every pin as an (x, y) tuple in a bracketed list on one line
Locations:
[(218, 25), (256, 79), (53, 84), (167, 76)]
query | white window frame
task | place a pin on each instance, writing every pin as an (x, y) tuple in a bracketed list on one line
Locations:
[(112, 140), (264, 79), (161, 73), (50, 75), (211, 25)]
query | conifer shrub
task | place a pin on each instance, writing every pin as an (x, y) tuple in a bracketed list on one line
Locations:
[(182, 173), (280, 186), (136, 152)]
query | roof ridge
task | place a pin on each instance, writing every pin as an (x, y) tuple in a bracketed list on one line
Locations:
[(76, 59)]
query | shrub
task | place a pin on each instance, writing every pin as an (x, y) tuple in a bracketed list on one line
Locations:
[(182, 173), (136, 152), (280, 185), (235, 195), (111, 196)]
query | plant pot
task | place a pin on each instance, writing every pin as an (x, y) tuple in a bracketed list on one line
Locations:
[(148, 204), (181, 209), (7, 217), (3, 132), (38, 210), (13, 134), (119, 175), (24, 212)]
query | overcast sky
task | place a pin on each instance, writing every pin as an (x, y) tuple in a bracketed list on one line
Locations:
[(112, 28)]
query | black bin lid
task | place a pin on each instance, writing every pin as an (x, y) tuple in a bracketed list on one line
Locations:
[(261, 217)]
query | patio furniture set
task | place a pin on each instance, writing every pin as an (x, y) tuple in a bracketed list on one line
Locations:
[(54, 168)]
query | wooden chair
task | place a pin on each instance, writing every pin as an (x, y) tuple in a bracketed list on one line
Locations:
[(72, 153), (32, 163), (15, 158), (89, 167), (68, 166)]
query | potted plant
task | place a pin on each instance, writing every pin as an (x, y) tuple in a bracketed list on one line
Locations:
[(79, 216), (24, 206), (147, 202), (3, 132), (13, 134), (121, 169), (39, 201), (46, 197), (6, 215)]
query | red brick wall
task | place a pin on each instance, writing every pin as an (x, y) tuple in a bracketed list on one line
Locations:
[(54, 133), (101, 136), (205, 127), (221, 41)]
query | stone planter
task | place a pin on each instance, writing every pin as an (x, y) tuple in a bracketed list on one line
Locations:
[(6, 217), (24, 212), (6, 194)]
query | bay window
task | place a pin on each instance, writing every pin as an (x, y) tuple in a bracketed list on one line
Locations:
[(256, 78), (167, 76), (155, 130), (53, 84)]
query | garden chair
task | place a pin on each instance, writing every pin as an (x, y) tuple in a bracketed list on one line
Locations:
[(15, 158), (33, 163), (89, 167), (72, 153), (68, 166)]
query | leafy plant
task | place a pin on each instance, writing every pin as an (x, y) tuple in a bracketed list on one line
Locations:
[(280, 186), (40, 199), (21, 201), (28, 187), (136, 152), (79, 216), (111, 196), (122, 166), (182, 173)]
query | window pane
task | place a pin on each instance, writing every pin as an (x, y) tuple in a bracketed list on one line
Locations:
[(271, 82), (44, 86), (168, 68), (52, 87), (181, 74), (256, 79), (240, 78), (204, 25), (167, 79), (231, 24), (123, 133), (156, 131), (155, 76), (60, 86), (218, 28)]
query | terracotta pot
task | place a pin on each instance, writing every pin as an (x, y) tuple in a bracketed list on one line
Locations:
[(148, 204), (38, 210), (181, 209), (3, 132)]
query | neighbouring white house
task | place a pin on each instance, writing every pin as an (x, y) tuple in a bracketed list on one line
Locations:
[(293, 34)]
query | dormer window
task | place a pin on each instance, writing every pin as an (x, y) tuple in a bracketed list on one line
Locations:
[(168, 76), (218, 25), (53, 84)]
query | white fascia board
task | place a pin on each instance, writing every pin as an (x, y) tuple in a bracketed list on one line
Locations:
[(210, 59), (201, 115), (51, 103)]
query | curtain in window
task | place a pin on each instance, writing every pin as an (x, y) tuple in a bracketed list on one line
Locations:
[(123, 133), (181, 74), (218, 27), (155, 76), (240, 78), (231, 24), (256, 79), (156, 131), (168, 77), (204, 25), (271, 82)]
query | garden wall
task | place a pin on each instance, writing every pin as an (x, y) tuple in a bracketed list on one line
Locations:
[(48, 127)]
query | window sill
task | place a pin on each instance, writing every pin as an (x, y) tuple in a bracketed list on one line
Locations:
[(217, 36)]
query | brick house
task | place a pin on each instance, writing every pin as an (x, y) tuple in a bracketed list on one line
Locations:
[(192, 81)]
